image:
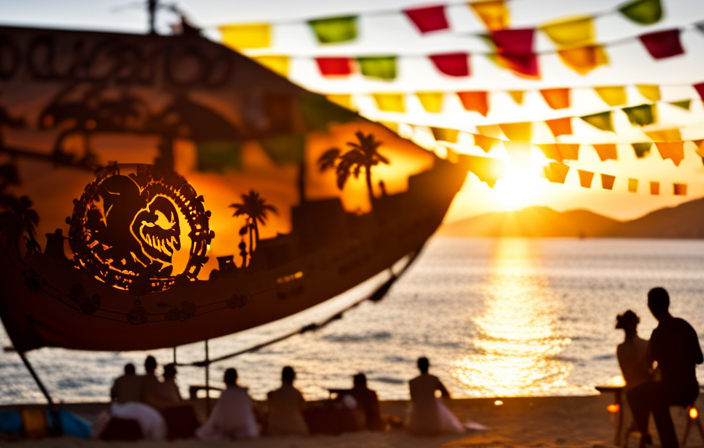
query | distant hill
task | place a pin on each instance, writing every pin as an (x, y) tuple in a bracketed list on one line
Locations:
[(683, 221)]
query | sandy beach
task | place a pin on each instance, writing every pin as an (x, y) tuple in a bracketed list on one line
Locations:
[(534, 422)]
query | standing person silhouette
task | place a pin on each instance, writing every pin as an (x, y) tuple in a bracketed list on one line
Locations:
[(429, 416), (674, 345)]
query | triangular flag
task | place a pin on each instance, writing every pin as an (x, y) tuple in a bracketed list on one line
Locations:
[(484, 142), (612, 95), (607, 181), (556, 172), (600, 121), (679, 189), (606, 151), (662, 44), (572, 32), (585, 178), (452, 64), (642, 115), (486, 169), (253, 35), (383, 67), (655, 188), (334, 66), (583, 59), (684, 104), (556, 98), (344, 100), (277, 64), (390, 102), (431, 101), (494, 14), (665, 135), (700, 89), (517, 131), (700, 147), (517, 96), (491, 130), (334, 29), (475, 101), (671, 150), (560, 126), (569, 151), (524, 65), (645, 12), (445, 135), (641, 149), (219, 156), (550, 151), (650, 92), (513, 41), (286, 148), (632, 185), (431, 18)]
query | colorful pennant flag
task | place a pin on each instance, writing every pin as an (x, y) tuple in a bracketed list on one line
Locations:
[(665, 135), (662, 44), (684, 104), (632, 185), (285, 148), (344, 100), (700, 147), (517, 131), (550, 151), (679, 189), (431, 101), (607, 181), (494, 14), (452, 64), (606, 151), (642, 115), (334, 66), (645, 12), (556, 98), (491, 130), (641, 149), (560, 126), (583, 59), (334, 29), (700, 89), (445, 135), (600, 121), (571, 32), (585, 178), (524, 65), (219, 156), (431, 18), (671, 150), (612, 95), (655, 188), (517, 96), (277, 64), (486, 169), (569, 151), (650, 92), (390, 102), (382, 67), (250, 36), (475, 101), (556, 172), (484, 142), (514, 51)]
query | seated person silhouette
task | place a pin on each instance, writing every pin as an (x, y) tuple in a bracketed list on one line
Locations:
[(367, 413), (429, 416), (151, 386), (233, 415), (128, 387), (674, 345), (169, 395), (286, 405)]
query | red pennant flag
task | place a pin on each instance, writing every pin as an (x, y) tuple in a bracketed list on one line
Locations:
[(428, 19), (662, 44), (452, 64), (560, 126), (700, 89), (334, 66), (476, 101), (521, 64), (513, 41)]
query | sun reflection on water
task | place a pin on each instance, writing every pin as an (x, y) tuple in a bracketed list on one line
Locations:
[(516, 340)]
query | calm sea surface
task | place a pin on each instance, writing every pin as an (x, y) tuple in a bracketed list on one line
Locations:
[(496, 317)]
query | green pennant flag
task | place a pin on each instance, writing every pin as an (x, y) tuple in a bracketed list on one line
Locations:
[(219, 156), (641, 149), (600, 121), (318, 112), (383, 67), (335, 29), (642, 115), (288, 148), (684, 104), (645, 12)]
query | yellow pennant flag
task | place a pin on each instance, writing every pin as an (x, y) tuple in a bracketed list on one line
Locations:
[(699, 147), (431, 101), (253, 35), (494, 14), (550, 151), (606, 151), (556, 172), (343, 100), (556, 98), (607, 181), (484, 142), (390, 102), (671, 150), (655, 188), (583, 59), (568, 150), (572, 32), (517, 131), (650, 92), (392, 125), (277, 64), (632, 185), (612, 95), (585, 178), (517, 95), (445, 135), (665, 135), (490, 130)]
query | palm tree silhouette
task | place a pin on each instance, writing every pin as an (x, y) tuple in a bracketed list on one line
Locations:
[(255, 208), (362, 154), (19, 219)]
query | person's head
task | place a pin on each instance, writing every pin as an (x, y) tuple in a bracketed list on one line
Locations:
[(150, 364), (423, 364), (359, 380), (170, 371), (288, 375), (627, 321), (659, 302), (230, 377), (129, 369)]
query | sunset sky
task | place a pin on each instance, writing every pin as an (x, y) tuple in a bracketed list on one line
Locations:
[(383, 31)]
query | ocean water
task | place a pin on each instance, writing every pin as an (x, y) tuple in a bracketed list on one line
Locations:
[(496, 317)]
